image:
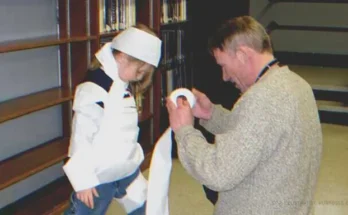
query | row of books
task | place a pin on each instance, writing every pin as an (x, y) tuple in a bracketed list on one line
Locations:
[(115, 15), (174, 46), (176, 77), (173, 11), (104, 40), (175, 62), (176, 67)]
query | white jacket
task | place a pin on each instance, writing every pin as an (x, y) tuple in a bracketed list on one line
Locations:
[(103, 146)]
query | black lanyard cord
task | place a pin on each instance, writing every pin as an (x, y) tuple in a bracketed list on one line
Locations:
[(266, 68)]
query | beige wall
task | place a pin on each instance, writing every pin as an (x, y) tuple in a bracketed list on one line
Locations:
[(305, 14)]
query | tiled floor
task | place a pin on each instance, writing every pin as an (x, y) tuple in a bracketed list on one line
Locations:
[(187, 197), (332, 192)]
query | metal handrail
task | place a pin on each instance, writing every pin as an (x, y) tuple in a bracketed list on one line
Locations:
[(275, 26), (308, 1), (272, 2)]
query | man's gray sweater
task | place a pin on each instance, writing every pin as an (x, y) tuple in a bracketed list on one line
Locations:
[(267, 149)]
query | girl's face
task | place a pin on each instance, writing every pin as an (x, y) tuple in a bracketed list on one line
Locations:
[(133, 70)]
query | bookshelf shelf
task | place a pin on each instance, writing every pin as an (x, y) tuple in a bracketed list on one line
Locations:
[(39, 42), (32, 161), (81, 39), (109, 34), (50, 199), (31, 43), (26, 104), (175, 23)]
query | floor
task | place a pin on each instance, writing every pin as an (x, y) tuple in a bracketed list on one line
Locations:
[(187, 198), (332, 192)]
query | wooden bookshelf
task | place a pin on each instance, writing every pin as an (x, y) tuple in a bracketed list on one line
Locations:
[(77, 39), (81, 39), (32, 161), (51, 199), (144, 116), (31, 43), (109, 34), (39, 42), (175, 23), (26, 104)]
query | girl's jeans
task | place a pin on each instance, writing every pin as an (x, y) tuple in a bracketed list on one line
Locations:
[(135, 185)]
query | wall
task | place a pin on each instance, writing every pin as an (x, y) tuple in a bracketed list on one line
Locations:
[(305, 14)]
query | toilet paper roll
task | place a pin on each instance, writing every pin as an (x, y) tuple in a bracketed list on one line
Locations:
[(161, 165), (183, 92)]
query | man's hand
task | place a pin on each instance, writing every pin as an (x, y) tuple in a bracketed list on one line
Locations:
[(86, 196), (181, 115), (203, 108)]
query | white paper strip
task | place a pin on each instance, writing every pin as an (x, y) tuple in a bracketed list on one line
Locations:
[(161, 165)]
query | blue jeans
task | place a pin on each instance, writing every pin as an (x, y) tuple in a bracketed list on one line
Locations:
[(108, 191)]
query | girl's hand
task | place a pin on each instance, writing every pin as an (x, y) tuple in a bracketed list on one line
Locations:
[(86, 196)]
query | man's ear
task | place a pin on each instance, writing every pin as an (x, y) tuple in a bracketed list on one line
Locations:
[(242, 54)]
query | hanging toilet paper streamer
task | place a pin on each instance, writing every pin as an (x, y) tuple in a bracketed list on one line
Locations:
[(161, 165)]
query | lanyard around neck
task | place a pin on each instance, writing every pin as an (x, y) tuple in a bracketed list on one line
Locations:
[(266, 68)]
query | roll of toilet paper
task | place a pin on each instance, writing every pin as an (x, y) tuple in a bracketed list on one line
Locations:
[(183, 92), (161, 165)]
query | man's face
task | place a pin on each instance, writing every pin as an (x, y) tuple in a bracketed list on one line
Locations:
[(230, 65)]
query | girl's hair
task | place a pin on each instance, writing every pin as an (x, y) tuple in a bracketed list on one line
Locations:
[(138, 87)]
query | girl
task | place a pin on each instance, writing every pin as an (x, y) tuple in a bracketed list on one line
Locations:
[(104, 153)]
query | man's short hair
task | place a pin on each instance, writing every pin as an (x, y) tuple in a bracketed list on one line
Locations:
[(243, 30)]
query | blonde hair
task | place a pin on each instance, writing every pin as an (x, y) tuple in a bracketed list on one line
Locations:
[(138, 87), (243, 30)]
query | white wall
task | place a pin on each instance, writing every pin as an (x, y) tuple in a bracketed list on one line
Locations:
[(305, 14)]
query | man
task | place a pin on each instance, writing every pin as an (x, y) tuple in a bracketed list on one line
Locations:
[(267, 149)]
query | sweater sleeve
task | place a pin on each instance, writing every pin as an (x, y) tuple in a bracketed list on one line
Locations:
[(236, 152), (218, 121), (80, 168)]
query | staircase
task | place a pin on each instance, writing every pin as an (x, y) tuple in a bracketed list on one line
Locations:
[(330, 87), (317, 55)]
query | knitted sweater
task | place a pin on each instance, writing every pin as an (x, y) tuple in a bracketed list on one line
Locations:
[(267, 149)]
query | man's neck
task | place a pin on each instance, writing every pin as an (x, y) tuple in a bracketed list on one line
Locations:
[(260, 62), (257, 63)]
